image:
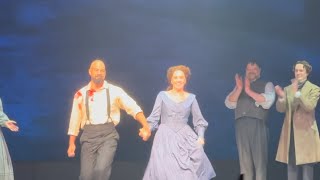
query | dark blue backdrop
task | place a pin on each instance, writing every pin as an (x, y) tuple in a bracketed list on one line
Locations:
[(46, 48)]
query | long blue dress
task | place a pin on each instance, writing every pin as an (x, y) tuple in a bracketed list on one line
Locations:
[(6, 170), (175, 153)]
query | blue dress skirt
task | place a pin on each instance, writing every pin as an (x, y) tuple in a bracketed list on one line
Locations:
[(175, 153)]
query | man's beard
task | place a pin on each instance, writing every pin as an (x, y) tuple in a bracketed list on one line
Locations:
[(97, 80), (252, 76)]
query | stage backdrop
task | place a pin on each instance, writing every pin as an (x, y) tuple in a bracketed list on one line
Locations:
[(46, 48)]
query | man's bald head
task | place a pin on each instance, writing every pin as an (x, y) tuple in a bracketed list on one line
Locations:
[(97, 62), (97, 71)]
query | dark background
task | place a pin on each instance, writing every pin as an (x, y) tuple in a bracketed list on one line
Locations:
[(46, 48)]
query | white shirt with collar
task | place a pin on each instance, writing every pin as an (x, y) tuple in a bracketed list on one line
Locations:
[(97, 103)]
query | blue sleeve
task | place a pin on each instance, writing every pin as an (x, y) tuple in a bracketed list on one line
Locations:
[(3, 116), (199, 123), (154, 117)]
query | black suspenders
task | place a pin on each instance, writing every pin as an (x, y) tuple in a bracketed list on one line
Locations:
[(108, 105), (87, 105)]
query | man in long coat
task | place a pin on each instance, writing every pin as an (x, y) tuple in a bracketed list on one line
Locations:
[(299, 144)]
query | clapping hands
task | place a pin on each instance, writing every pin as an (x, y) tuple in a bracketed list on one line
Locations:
[(279, 91), (239, 83)]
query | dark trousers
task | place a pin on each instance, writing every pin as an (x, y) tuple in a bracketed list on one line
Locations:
[(293, 169), (252, 143), (98, 147)]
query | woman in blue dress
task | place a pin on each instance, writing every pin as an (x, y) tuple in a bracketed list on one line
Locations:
[(6, 170), (177, 151)]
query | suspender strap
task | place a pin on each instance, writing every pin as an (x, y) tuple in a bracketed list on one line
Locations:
[(87, 105), (108, 105)]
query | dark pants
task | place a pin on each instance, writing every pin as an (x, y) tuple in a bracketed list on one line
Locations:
[(293, 169), (98, 147), (252, 142)]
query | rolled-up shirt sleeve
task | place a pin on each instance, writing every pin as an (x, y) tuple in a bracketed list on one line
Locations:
[(229, 104), (269, 95), (127, 103), (76, 115)]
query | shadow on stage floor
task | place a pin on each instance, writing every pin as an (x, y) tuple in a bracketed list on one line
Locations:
[(69, 170)]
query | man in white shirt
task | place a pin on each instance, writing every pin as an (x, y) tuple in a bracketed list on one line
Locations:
[(251, 99), (96, 110)]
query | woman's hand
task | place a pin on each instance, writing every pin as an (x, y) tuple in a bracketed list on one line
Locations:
[(10, 124)]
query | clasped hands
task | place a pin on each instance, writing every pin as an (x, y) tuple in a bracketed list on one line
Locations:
[(145, 133)]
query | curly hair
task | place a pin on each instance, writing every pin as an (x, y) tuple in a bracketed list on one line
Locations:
[(305, 64), (172, 69)]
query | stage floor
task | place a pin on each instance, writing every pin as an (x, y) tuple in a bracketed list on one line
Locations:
[(69, 170)]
